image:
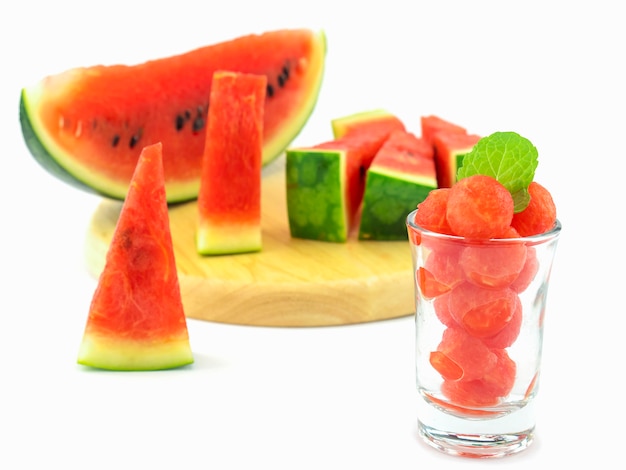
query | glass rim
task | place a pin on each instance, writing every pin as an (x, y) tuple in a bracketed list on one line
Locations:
[(542, 237)]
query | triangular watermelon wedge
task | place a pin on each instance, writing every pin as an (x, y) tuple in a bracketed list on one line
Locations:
[(136, 319)]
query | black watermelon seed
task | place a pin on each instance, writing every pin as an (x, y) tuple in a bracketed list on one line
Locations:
[(180, 122), (270, 90), (116, 140), (281, 80), (134, 139), (198, 123)]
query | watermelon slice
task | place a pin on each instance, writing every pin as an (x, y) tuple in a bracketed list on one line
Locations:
[(229, 201), (376, 121), (325, 184), (87, 126), (401, 176), (136, 319), (450, 147)]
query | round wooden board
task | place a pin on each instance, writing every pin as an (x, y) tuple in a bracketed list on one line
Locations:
[(290, 282)]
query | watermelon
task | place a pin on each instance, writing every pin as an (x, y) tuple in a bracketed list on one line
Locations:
[(401, 175), (325, 184), (136, 319), (87, 125), (229, 201), (450, 147), (375, 120), (431, 125), (316, 194)]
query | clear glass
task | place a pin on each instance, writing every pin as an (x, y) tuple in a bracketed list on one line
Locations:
[(480, 307)]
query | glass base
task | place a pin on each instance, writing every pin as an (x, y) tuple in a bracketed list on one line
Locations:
[(476, 445)]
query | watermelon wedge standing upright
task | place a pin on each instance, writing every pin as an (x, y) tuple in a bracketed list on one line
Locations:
[(136, 319), (229, 200)]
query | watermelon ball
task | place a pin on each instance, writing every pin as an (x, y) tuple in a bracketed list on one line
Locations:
[(443, 264), (507, 335), (442, 310), (480, 311), (540, 214), (488, 390), (479, 207), (431, 213), (494, 265), (460, 356), (428, 285), (500, 380), (469, 394), (528, 272)]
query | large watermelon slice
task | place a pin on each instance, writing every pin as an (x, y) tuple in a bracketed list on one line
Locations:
[(401, 175), (229, 201), (136, 319), (87, 126)]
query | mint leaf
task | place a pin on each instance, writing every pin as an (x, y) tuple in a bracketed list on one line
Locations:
[(509, 158)]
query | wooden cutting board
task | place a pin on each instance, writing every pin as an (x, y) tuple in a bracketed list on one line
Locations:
[(290, 282)]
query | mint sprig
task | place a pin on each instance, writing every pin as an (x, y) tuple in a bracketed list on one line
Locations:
[(509, 158)]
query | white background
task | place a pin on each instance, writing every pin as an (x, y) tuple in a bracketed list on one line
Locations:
[(341, 397)]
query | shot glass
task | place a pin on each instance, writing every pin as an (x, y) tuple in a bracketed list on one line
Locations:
[(480, 306)]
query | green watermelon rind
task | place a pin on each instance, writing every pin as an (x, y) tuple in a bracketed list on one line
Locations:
[(212, 240), (108, 354), (316, 194), (417, 179), (389, 197), (41, 154)]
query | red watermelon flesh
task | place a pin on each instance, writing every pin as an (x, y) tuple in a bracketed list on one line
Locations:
[(431, 125), (229, 201), (87, 125), (449, 150), (136, 319), (407, 153)]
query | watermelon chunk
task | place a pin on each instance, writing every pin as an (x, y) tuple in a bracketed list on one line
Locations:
[(432, 125), (378, 120), (136, 319), (450, 147), (229, 201), (87, 126), (316, 194), (401, 175), (325, 184)]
